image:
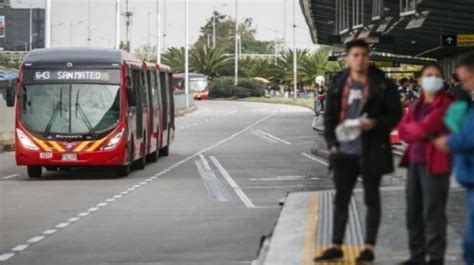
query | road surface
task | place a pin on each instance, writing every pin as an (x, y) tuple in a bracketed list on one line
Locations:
[(208, 203)]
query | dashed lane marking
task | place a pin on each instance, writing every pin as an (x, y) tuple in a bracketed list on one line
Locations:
[(20, 248), (264, 137), (8, 255), (11, 176), (248, 203), (320, 161)]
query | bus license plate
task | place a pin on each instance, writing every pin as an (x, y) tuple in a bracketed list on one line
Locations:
[(69, 157)]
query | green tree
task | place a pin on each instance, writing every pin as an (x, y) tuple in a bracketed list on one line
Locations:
[(225, 35), (208, 61), (174, 57), (146, 52)]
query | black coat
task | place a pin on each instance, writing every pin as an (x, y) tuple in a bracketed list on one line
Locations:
[(383, 106)]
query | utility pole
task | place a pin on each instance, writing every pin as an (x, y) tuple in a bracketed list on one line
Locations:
[(186, 55), (284, 24), (214, 29), (148, 29), (48, 24), (158, 32), (236, 63), (117, 24), (164, 24), (295, 61), (128, 14)]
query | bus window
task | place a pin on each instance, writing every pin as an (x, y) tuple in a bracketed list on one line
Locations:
[(171, 99), (139, 94), (151, 81), (157, 86), (131, 93), (164, 99), (144, 89)]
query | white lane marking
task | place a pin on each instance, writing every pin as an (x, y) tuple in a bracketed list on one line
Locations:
[(93, 209), (50, 231), (274, 137), (110, 200), (320, 161), (248, 203), (11, 176), (283, 178), (204, 163), (36, 239), (6, 256), (20, 248), (73, 219), (102, 204), (62, 225), (213, 184), (264, 137)]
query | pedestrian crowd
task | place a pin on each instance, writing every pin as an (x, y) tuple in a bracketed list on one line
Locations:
[(434, 117)]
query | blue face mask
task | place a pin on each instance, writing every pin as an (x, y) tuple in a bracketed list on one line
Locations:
[(432, 84)]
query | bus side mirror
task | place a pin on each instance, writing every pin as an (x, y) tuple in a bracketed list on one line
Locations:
[(10, 95)]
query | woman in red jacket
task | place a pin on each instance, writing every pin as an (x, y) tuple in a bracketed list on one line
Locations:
[(429, 169)]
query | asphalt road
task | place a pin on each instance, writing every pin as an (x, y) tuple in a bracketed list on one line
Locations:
[(208, 203)]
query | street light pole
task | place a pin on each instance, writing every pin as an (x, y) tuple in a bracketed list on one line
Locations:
[(295, 61), (89, 36), (186, 55), (48, 24), (236, 63), (158, 32), (214, 29), (117, 24)]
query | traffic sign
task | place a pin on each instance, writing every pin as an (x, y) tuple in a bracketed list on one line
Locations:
[(449, 40), (465, 40)]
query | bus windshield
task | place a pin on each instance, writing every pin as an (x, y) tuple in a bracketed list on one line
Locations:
[(70, 108), (198, 85)]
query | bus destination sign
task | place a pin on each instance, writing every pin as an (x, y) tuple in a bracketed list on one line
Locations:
[(89, 76)]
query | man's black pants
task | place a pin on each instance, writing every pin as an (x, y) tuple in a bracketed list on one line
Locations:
[(346, 170)]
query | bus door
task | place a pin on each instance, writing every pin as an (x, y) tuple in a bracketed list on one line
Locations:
[(171, 102), (164, 82), (139, 103), (146, 110), (154, 107)]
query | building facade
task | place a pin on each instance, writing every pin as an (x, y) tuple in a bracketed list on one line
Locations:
[(15, 28)]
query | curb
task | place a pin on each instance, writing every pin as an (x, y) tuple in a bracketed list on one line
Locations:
[(182, 112)]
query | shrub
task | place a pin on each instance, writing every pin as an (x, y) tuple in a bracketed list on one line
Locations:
[(223, 87)]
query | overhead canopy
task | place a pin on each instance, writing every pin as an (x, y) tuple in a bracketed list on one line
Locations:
[(421, 28)]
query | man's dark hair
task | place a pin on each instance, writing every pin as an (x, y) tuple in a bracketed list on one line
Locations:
[(357, 43), (467, 61)]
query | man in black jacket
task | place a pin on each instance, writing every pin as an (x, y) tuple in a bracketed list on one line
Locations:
[(362, 94)]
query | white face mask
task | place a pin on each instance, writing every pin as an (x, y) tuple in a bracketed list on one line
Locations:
[(432, 84)]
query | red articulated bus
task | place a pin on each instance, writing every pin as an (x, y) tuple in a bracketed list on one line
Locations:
[(92, 107)]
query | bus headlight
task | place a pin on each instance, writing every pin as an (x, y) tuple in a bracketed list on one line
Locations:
[(25, 141), (114, 141)]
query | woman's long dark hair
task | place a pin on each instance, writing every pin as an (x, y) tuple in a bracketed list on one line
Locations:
[(430, 65)]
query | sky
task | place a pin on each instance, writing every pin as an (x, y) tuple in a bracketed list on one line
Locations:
[(70, 20)]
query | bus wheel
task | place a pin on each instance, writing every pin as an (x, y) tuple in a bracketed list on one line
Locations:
[(122, 171), (34, 172)]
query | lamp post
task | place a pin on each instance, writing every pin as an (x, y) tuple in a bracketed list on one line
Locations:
[(214, 26), (275, 43), (158, 32), (295, 61), (117, 24), (236, 63), (186, 55)]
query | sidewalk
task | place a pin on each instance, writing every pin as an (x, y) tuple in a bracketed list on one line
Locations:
[(305, 224)]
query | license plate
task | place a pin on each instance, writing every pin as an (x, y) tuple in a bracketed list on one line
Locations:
[(69, 157), (46, 155)]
